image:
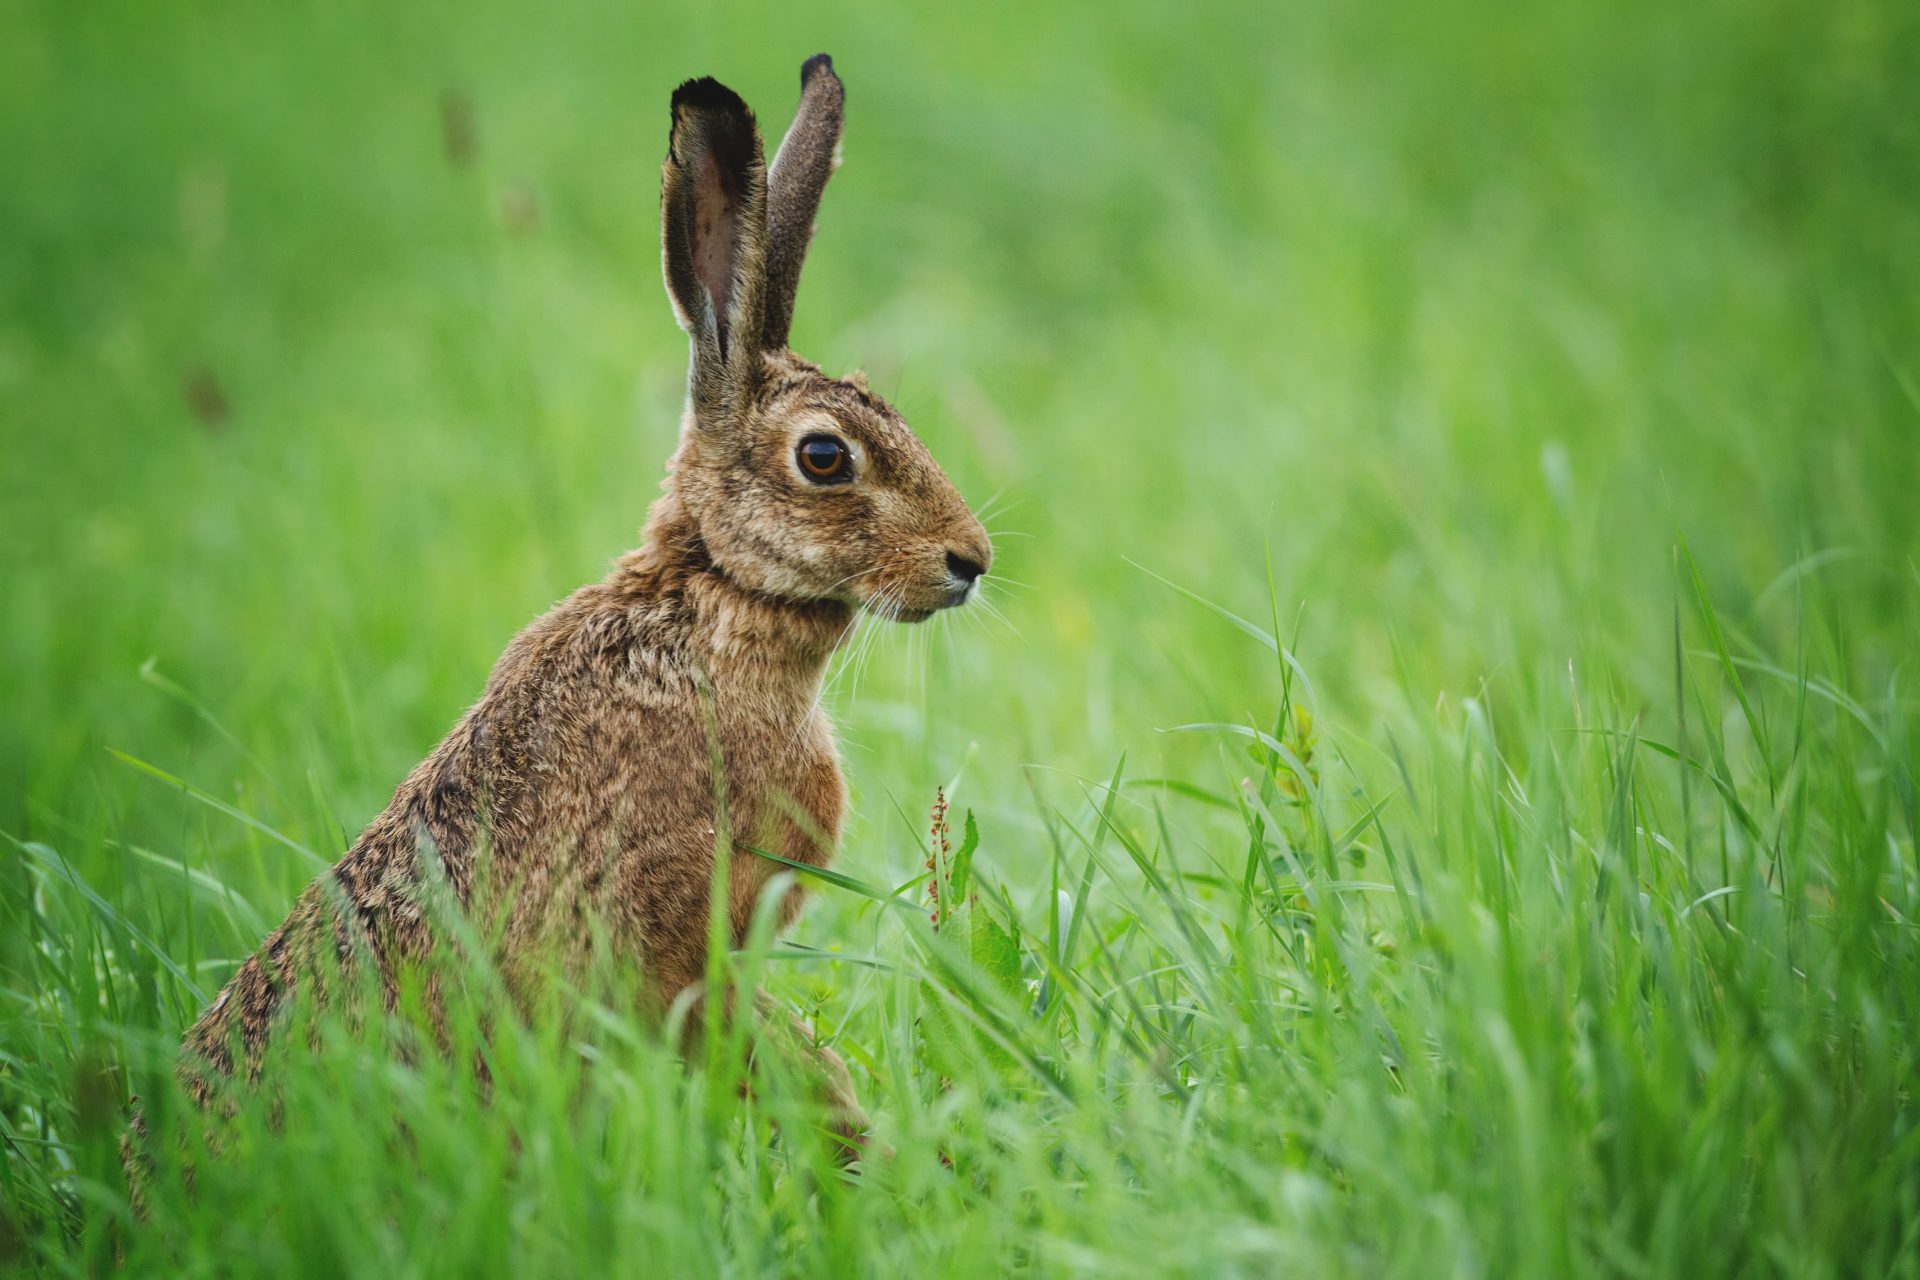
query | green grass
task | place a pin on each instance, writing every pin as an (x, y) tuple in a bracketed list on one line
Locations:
[(1547, 379)]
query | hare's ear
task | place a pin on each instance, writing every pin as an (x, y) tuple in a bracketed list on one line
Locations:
[(713, 232), (807, 157)]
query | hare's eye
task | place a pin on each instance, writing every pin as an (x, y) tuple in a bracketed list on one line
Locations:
[(825, 459)]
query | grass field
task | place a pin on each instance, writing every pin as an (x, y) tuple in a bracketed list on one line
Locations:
[(1443, 754)]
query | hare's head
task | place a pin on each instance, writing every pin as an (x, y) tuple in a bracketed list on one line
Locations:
[(803, 486)]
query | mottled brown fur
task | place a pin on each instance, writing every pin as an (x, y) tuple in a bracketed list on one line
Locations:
[(584, 778)]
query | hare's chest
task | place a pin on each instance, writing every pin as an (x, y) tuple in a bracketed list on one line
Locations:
[(783, 794), (782, 786)]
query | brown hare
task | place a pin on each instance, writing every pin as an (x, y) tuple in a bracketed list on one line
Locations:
[(678, 697)]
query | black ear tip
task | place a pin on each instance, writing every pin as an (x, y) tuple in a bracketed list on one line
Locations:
[(707, 94), (813, 66)]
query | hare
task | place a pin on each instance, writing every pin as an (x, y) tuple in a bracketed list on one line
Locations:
[(675, 703)]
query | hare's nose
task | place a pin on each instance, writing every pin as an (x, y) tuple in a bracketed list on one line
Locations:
[(965, 571)]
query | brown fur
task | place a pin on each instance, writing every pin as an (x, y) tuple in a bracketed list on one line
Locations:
[(585, 775)]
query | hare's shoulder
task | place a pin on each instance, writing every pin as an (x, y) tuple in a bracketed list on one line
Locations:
[(600, 686), (600, 637)]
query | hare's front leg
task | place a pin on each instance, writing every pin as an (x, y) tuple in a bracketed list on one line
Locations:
[(781, 1033), (789, 1035)]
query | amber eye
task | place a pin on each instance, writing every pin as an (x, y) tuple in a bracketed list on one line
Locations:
[(825, 459)]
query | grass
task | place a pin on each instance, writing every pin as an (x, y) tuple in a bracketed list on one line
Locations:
[(1488, 435)]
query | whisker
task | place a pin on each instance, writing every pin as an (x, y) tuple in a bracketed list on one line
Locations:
[(993, 611), (987, 507), (858, 573), (821, 689), (863, 640), (885, 606)]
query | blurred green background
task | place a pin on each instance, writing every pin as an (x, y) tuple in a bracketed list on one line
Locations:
[(333, 349)]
